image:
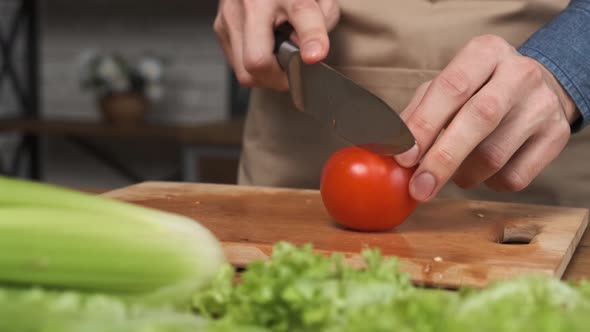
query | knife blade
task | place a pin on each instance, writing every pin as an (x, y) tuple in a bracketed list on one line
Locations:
[(354, 113)]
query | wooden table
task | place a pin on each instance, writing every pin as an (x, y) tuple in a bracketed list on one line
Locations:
[(476, 241), (215, 139), (579, 267)]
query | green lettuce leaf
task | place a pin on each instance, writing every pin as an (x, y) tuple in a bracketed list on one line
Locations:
[(298, 290), (37, 310)]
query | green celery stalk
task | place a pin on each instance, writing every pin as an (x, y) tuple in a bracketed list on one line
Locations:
[(53, 237)]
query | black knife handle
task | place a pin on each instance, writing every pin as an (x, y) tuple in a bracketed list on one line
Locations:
[(282, 34)]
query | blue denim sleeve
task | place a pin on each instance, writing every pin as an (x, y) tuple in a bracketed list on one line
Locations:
[(563, 47)]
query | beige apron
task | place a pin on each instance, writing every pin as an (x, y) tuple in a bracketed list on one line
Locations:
[(390, 47)]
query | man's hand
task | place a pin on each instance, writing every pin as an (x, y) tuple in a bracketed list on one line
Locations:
[(492, 115), (245, 30)]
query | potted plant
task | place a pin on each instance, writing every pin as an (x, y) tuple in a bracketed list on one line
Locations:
[(124, 89)]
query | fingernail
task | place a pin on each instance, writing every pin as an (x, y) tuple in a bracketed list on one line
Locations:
[(422, 186), (312, 49), (408, 158)]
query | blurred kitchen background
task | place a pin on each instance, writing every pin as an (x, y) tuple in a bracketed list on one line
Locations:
[(182, 122)]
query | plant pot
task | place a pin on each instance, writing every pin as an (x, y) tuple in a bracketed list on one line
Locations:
[(124, 109)]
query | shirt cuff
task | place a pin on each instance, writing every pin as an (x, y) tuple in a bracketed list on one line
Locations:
[(563, 47)]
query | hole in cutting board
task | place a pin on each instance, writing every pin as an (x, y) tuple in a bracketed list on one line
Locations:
[(511, 234)]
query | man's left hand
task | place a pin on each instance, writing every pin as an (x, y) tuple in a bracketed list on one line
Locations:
[(491, 116)]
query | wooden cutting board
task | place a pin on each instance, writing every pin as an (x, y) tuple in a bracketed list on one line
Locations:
[(444, 243)]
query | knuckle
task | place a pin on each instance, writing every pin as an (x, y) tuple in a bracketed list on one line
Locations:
[(530, 69), (245, 79), (301, 7), (257, 62), (565, 130), (493, 156), (561, 132), (424, 126), (445, 158), (454, 83), (514, 181), (547, 101), (489, 43), (218, 25), (487, 109)]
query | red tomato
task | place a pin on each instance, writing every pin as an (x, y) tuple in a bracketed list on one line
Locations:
[(365, 191)]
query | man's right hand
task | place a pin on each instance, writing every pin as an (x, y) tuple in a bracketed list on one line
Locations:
[(245, 29)]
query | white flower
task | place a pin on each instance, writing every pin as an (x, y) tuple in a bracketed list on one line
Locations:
[(109, 71), (151, 69)]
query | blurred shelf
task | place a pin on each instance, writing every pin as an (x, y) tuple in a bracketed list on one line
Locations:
[(221, 133), (221, 139)]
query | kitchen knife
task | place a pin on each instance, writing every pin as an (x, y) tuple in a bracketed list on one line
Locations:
[(355, 114)]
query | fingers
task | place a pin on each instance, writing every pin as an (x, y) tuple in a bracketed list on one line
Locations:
[(494, 152), (534, 156), (415, 101), (245, 32), (257, 44), (228, 27), (528, 162), (331, 10), (491, 116), (520, 123), (237, 49), (308, 20), (223, 39), (450, 90), (476, 120), (410, 108)]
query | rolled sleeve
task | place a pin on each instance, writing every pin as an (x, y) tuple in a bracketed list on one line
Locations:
[(563, 47)]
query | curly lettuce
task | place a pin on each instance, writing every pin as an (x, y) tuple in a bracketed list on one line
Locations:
[(297, 290)]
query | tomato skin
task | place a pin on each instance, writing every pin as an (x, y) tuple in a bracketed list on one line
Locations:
[(365, 191)]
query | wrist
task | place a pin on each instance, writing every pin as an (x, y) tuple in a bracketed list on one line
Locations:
[(570, 110)]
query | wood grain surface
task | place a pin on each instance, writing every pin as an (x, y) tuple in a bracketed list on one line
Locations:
[(444, 243)]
